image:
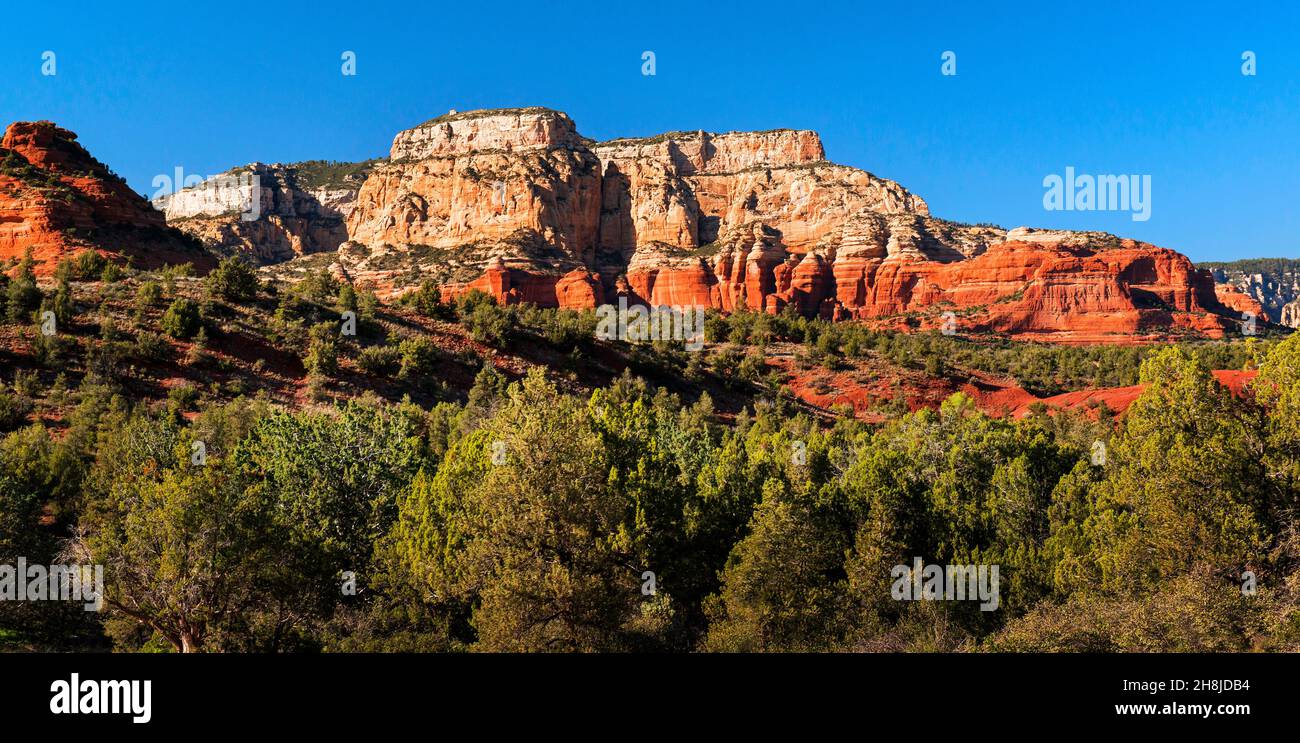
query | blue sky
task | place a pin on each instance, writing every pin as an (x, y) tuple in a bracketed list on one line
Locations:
[(1107, 88)]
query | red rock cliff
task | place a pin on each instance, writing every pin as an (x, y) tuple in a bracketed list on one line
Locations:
[(56, 200), (517, 203)]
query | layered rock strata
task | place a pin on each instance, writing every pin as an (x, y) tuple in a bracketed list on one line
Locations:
[(269, 213), (517, 203), (57, 200)]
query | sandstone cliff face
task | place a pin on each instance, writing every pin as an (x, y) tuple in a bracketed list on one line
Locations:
[(56, 200), (1053, 290), (300, 208), (1273, 283), (688, 189), (577, 289), (1290, 314), (497, 180), (508, 130), (1240, 302), (518, 204), (504, 186)]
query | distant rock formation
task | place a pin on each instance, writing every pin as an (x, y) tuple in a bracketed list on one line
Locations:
[(1290, 315), (1274, 284), (301, 208), (517, 203)]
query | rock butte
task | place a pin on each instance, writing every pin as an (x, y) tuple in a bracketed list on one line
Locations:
[(517, 203), (57, 200), (1270, 286)]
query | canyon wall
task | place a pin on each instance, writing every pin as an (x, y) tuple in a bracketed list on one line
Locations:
[(517, 203), (1272, 285), (56, 200), (267, 214)]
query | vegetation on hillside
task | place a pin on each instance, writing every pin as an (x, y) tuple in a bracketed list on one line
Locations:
[(311, 175), (1252, 266), (543, 507)]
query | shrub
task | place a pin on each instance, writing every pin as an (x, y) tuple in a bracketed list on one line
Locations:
[(367, 304), (60, 303), (347, 299), (48, 350), (87, 265), (472, 300), (151, 346), (382, 361), (182, 319), (27, 383), (751, 368), (427, 300), (169, 274), (23, 297), (13, 410), (148, 293), (322, 357), (233, 280), (318, 286), (488, 323), (726, 361), (183, 397), (418, 356), (108, 329), (111, 273)]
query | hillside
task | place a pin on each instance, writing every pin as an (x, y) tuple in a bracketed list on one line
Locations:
[(477, 468), (268, 343)]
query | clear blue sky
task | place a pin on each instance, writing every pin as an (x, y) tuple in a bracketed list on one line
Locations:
[(1105, 88)]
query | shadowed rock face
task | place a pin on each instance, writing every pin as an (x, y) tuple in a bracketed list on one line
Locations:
[(1238, 301), (1268, 287), (57, 200)]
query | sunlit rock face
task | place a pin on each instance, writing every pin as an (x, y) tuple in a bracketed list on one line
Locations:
[(517, 203), (57, 200), (269, 213)]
